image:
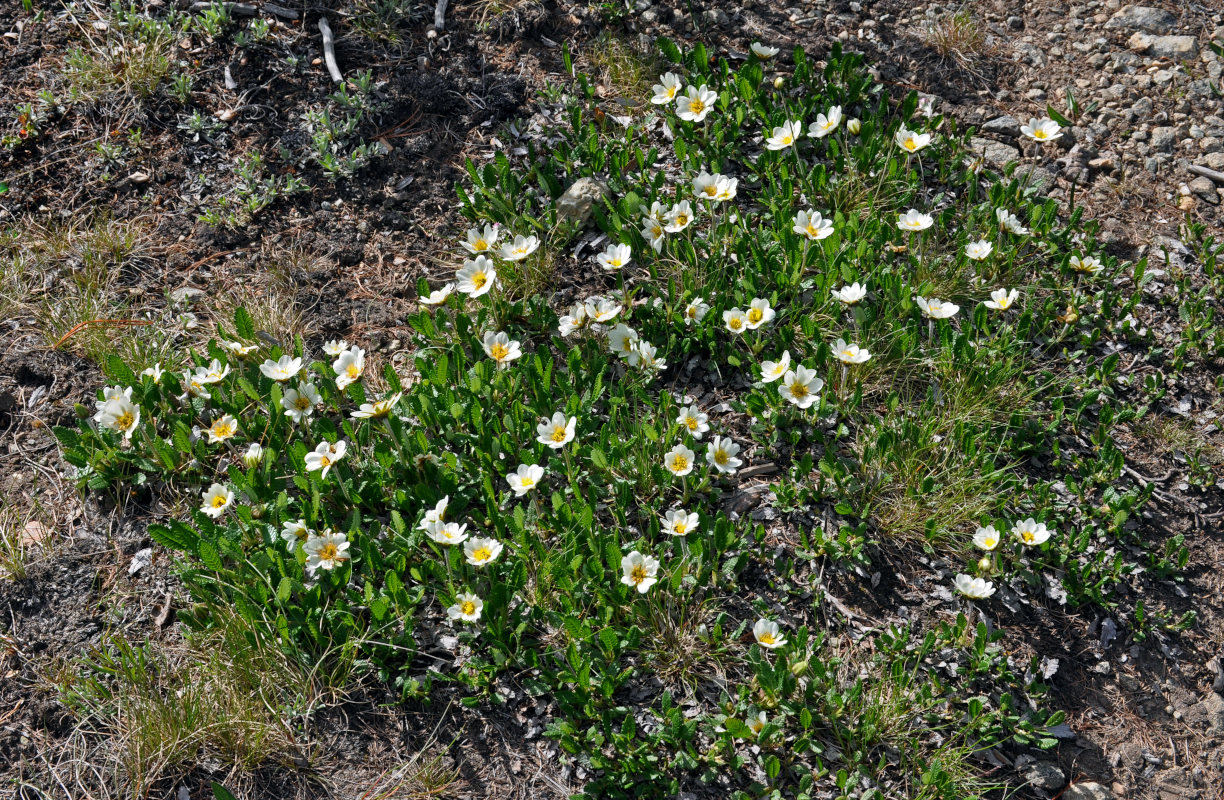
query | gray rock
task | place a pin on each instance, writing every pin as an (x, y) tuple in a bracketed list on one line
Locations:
[(1143, 18), (1039, 178), (995, 152), (1003, 126), (185, 294), (1015, 23), (1087, 791), (1045, 776), (577, 201), (1204, 189), (1177, 47), (1163, 139)]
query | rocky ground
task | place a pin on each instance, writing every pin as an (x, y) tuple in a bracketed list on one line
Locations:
[(1145, 156)]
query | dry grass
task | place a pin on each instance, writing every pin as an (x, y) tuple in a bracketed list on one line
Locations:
[(959, 38), (122, 65), (270, 296), (621, 68)]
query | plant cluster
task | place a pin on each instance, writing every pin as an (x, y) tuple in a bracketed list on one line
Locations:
[(798, 278)]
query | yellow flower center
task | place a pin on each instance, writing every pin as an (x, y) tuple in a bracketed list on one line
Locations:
[(1039, 133), (353, 371), (222, 430), (691, 422), (218, 501), (1028, 537), (721, 457), (125, 420), (682, 220), (558, 434), (767, 638), (798, 390), (786, 139), (847, 354), (479, 279), (528, 482), (680, 527), (499, 351), (481, 554), (324, 461), (735, 323), (328, 552), (679, 462), (302, 402), (711, 190), (467, 608), (480, 245), (755, 315), (696, 105), (638, 575), (990, 542), (812, 231)]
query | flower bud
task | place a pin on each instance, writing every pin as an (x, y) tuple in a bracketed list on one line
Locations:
[(984, 564), (779, 82), (854, 126), (253, 456), (799, 668)]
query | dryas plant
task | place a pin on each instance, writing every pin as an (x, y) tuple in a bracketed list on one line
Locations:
[(890, 330)]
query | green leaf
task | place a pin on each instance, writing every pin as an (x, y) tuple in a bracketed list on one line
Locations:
[(176, 536), (244, 326), (119, 371), (737, 728), (208, 554), (221, 793), (1057, 117), (598, 459)]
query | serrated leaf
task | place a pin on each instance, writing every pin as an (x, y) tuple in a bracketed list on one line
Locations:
[(244, 326)]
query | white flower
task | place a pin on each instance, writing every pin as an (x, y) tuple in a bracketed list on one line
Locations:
[(575, 320), (735, 320), (694, 421), (641, 571), (217, 498), (294, 533), (854, 125), (120, 415), (914, 220), (679, 217), (926, 105), (759, 313), (935, 308), (979, 250), (813, 225), (476, 277), (327, 551), (986, 538), (1001, 299), (976, 588), (434, 515), (622, 340), (382, 408), (721, 455), (325, 456), (335, 347), (283, 369), (195, 384), (652, 231), (615, 257), (1042, 130), (215, 372), (154, 372), (695, 103), (911, 142), (111, 393), (666, 89), (525, 478), (222, 428), (438, 296), (825, 123), (785, 135), (772, 370), (447, 532), (800, 385), (1010, 222), (768, 634), (299, 403), (679, 460), (714, 187), (520, 248), (467, 608), (763, 51), (349, 367), (501, 348), (1089, 265), (602, 309), (480, 551), (850, 294), (681, 522), (1031, 532), (646, 356), (757, 722), (557, 432), (481, 241), (695, 311), (237, 348), (253, 455), (850, 353)]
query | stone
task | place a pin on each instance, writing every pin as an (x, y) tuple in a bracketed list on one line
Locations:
[(1045, 776), (576, 203), (1213, 706), (1087, 790), (1143, 18), (995, 152), (1176, 47), (1003, 126), (185, 294), (1039, 178), (1163, 139)]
